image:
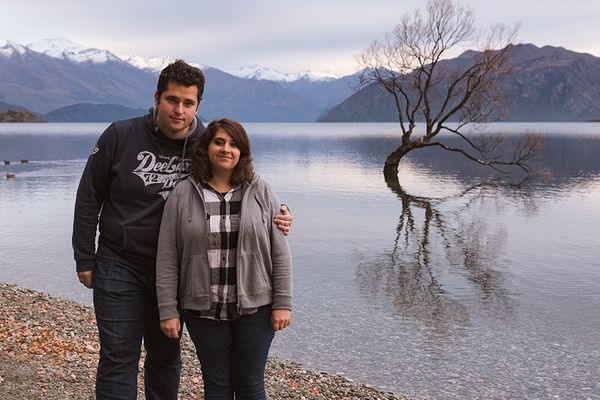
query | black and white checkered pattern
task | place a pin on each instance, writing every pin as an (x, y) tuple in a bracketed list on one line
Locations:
[(223, 217)]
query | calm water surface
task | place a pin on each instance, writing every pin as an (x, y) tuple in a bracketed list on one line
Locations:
[(452, 286)]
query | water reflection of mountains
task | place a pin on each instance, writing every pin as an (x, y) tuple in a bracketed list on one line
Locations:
[(565, 157), (46, 147)]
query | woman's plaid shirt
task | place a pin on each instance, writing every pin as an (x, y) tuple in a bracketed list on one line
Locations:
[(223, 216)]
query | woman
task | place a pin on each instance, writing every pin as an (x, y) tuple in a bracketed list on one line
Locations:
[(224, 265)]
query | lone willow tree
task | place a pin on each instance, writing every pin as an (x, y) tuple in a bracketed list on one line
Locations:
[(446, 95)]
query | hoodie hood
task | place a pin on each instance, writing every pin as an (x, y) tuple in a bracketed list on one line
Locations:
[(193, 132)]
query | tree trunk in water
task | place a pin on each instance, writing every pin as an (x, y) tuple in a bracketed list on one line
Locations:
[(390, 168)]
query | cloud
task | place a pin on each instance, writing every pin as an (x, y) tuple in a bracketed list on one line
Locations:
[(291, 36)]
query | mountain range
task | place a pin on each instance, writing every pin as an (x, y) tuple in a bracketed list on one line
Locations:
[(63, 81), (546, 84), (47, 76), (45, 81)]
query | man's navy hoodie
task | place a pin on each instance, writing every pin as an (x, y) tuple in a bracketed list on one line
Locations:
[(129, 174)]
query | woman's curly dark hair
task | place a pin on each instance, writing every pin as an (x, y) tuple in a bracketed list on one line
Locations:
[(201, 167)]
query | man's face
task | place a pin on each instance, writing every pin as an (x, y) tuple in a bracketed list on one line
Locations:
[(176, 108)]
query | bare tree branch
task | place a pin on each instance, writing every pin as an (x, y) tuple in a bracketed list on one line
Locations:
[(411, 65), (522, 153)]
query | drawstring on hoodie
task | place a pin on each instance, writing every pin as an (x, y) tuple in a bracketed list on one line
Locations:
[(182, 158), (193, 126), (191, 202)]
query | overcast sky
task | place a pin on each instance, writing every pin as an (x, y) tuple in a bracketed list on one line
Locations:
[(289, 36)]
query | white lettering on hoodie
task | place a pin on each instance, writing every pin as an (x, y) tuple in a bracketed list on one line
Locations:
[(161, 170)]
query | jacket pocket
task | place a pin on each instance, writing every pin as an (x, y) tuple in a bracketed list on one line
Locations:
[(253, 276), (195, 277)]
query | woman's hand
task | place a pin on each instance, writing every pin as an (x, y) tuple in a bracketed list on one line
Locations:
[(171, 327), (284, 220), (281, 319)]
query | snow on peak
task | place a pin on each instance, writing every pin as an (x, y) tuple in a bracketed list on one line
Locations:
[(258, 72), (317, 75), (65, 49), (8, 48), (152, 64)]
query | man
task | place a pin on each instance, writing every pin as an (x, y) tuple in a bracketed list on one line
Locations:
[(129, 174)]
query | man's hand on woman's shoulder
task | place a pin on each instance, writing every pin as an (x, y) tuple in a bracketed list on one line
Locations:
[(284, 220)]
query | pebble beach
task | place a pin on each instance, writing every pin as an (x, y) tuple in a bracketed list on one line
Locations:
[(49, 350)]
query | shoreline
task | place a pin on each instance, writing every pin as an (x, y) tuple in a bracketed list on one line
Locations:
[(49, 349)]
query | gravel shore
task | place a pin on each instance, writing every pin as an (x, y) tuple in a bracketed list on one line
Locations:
[(49, 350)]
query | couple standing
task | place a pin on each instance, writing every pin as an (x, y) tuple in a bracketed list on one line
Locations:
[(209, 251)]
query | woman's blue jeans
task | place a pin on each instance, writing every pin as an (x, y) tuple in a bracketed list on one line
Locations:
[(127, 311), (233, 354)]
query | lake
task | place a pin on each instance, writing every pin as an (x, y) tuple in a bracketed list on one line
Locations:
[(455, 285)]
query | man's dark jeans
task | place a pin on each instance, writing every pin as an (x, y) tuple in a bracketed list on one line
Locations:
[(233, 354), (127, 311)]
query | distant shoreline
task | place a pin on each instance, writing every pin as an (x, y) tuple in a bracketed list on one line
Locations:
[(49, 350), (19, 115)]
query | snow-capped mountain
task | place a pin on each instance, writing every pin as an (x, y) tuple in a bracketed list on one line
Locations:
[(152, 64), (54, 74), (88, 81), (316, 76), (8, 48), (257, 72), (66, 50)]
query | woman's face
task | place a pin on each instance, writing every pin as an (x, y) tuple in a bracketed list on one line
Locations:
[(223, 152)]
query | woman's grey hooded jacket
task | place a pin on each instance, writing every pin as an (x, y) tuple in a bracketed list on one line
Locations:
[(264, 263)]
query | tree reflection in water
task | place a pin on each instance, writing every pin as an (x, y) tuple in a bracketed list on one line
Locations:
[(442, 265)]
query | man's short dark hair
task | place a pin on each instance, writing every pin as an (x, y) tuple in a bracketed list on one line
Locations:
[(181, 73)]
